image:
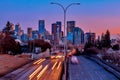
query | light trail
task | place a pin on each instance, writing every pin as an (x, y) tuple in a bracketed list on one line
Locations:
[(41, 61), (52, 57), (37, 61), (41, 73), (59, 65), (35, 72), (54, 65), (59, 56)]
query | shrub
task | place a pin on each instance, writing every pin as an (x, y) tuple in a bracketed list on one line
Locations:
[(116, 47), (92, 50)]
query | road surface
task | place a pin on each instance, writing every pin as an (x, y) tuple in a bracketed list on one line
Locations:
[(88, 70), (42, 69)]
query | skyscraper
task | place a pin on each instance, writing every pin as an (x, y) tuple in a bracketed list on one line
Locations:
[(59, 29), (24, 37), (29, 32), (41, 27), (70, 29), (87, 37), (78, 36), (54, 33), (35, 34), (17, 27), (70, 26), (70, 37), (54, 28), (59, 24), (18, 31), (90, 37), (82, 37)]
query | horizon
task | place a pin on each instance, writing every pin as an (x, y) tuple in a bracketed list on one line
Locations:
[(90, 15)]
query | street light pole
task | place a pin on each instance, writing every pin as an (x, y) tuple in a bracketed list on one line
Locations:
[(65, 40), (65, 10)]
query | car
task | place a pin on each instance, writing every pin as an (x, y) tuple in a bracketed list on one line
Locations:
[(74, 60)]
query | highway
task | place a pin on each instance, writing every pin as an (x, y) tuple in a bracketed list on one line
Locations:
[(89, 70), (41, 69), (51, 68)]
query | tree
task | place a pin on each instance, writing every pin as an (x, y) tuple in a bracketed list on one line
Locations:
[(102, 40), (45, 46), (116, 47), (8, 29), (38, 43), (107, 39), (98, 43), (8, 44)]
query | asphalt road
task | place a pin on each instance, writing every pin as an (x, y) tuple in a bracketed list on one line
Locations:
[(88, 70), (41, 69)]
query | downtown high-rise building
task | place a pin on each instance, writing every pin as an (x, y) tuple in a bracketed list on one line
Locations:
[(29, 32), (57, 32), (59, 24), (54, 33), (78, 36), (54, 28), (59, 29), (17, 28), (90, 37), (41, 27), (70, 26), (70, 29), (35, 34), (24, 37), (18, 31)]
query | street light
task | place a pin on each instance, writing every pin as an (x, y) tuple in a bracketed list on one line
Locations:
[(65, 41), (65, 10)]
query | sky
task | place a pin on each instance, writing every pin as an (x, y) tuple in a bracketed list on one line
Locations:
[(91, 15)]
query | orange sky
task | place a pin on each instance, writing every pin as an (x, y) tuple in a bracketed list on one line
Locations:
[(100, 24)]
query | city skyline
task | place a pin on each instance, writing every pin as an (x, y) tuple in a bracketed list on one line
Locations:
[(91, 15)]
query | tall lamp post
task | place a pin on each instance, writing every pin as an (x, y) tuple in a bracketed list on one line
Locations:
[(65, 10), (65, 41)]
